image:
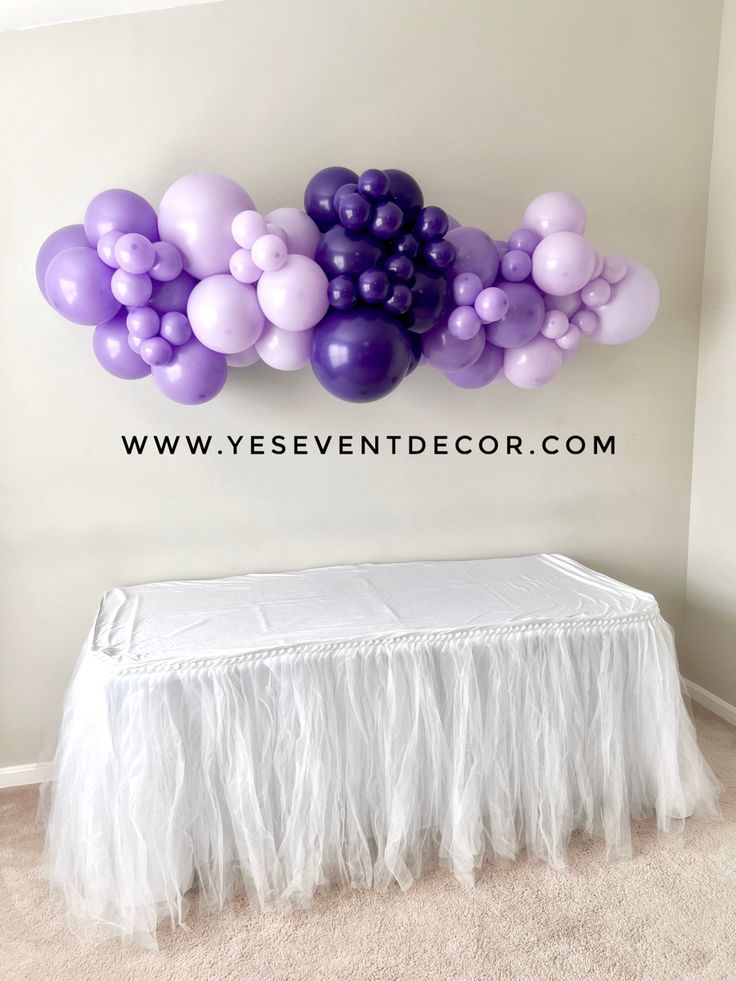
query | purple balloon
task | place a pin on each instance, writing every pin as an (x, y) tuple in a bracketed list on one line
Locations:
[(475, 252), (193, 376), (523, 319), (524, 239), (68, 237), (404, 191), (173, 295), (112, 350), (516, 265), (485, 369), (134, 253), (175, 328), (448, 353), (344, 253), (320, 191), (121, 211), (431, 300), (78, 286), (360, 355), (168, 262)]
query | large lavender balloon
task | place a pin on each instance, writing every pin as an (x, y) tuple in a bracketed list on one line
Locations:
[(112, 350), (360, 355), (224, 314), (193, 375), (533, 364), (118, 210), (77, 285), (631, 309), (196, 215), (68, 237)]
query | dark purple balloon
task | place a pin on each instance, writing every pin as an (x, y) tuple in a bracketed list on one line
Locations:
[(350, 188), (77, 285), (360, 355), (404, 191), (387, 220), (430, 300), (374, 285), (194, 375), (400, 268), (354, 211), (407, 245), (374, 184), (524, 317), (112, 350), (68, 237), (431, 224), (341, 293), (439, 255), (172, 296), (415, 343), (320, 191), (341, 252), (399, 302)]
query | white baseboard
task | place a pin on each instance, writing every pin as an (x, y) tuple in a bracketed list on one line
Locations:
[(20, 776), (724, 710)]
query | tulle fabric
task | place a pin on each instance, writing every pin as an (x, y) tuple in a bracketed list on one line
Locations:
[(358, 764)]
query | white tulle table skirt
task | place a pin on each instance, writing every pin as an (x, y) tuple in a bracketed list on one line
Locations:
[(359, 761)]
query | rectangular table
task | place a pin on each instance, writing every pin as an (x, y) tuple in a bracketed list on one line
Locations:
[(350, 725)]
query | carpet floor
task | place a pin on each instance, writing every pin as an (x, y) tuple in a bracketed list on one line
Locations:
[(667, 915)]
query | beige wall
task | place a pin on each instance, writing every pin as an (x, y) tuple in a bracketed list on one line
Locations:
[(488, 104), (711, 582)]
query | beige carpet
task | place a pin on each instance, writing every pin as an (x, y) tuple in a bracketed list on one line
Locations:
[(668, 915)]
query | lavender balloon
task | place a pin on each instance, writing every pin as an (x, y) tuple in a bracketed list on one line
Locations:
[(285, 350), (68, 237), (301, 232), (294, 297), (360, 355), (224, 314), (112, 350), (482, 373), (77, 285), (448, 353), (523, 319), (533, 364), (193, 375), (173, 295), (475, 252), (118, 210)]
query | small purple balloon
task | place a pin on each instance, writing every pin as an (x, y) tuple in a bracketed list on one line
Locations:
[(77, 285), (134, 290), (464, 323), (341, 292), (143, 322), (374, 285), (524, 239), (405, 192), (439, 255), (112, 350), (374, 184), (430, 300), (119, 210), (134, 253), (106, 248), (173, 294), (465, 288), (320, 192), (399, 268), (523, 319), (175, 328), (399, 302), (193, 375), (156, 351), (68, 237), (491, 304), (445, 351), (360, 355), (482, 373), (354, 211), (516, 266), (387, 220)]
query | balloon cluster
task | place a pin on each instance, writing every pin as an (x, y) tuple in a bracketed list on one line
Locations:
[(365, 284)]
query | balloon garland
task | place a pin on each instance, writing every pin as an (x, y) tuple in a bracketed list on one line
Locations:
[(365, 284)]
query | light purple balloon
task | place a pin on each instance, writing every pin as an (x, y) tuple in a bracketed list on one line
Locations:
[(555, 324), (224, 314), (570, 340), (445, 351), (143, 322), (556, 211), (194, 375), (119, 210), (175, 328), (131, 289), (523, 319), (302, 234), (77, 285), (196, 215), (533, 364), (464, 323), (632, 308), (569, 304), (168, 262), (68, 237), (243, 268), (525, 239), (244, 359), (285, 350), (485, 369), (134, 253), (247, 227), (586, 321), (156, 351), (269, 252), (614, 269), (491, 304), (112, 350), (562, 263), (475, 252), (295, 296), (465, 288), (172, 295), (516, 265), (596, 293), (106, 248)]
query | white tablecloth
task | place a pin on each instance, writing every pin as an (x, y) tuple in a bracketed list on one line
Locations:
[(350, 724)]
